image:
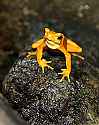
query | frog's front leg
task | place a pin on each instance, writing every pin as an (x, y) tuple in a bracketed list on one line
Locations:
[(34, 46), (66, 72), (42, 62)]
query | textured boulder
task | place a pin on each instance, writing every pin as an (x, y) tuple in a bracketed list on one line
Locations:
[(41, 99)]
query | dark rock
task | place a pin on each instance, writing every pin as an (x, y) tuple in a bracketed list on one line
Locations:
[(40, 99)]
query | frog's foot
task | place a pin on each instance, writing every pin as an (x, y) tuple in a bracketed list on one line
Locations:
[(30, 55), (43, 63), (65, 73)]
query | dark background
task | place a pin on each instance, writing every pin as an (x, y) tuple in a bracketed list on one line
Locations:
[(21, 21)]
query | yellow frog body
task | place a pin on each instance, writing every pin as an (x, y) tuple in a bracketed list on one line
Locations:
[(54, 41)]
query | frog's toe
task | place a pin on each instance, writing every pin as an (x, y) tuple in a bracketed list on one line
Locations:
[(65, 73), (46, 61), (30, 54), (44, 64)]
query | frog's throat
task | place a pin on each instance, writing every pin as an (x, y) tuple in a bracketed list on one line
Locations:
[(52, 45)]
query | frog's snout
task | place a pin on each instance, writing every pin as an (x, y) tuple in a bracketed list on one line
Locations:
[(79, 49)]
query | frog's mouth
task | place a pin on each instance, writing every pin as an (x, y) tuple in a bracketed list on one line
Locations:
[(52, 44)]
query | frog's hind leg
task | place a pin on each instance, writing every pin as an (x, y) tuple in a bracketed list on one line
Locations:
[(31, 54)]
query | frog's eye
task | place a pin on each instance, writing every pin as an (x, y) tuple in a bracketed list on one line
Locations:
[(46, 30), (60, 37)]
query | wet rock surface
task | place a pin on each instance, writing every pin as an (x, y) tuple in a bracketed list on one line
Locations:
[(40, 99)]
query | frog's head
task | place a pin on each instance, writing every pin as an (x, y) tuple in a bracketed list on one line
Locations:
[(53, 39)]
